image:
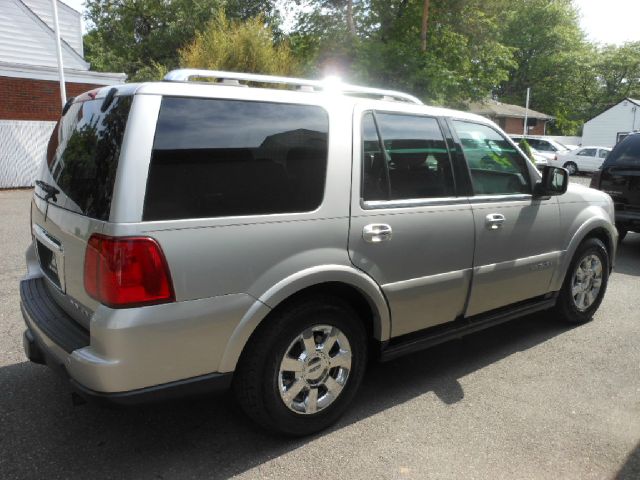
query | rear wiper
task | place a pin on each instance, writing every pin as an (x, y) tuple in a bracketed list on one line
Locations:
[(50, 190)]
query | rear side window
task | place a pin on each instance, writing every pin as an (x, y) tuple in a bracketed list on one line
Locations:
[(215, 158), (83, 153), (408, 159), (627, 152), (496, 166)]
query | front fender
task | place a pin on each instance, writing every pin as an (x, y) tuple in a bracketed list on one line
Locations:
[(588, 220), (296, 282)]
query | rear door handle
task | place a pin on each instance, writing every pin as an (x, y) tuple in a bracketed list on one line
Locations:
[(494, 221), (376, 232)]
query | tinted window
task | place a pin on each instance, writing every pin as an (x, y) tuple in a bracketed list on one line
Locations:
[(496, 166), (603, 153), (626, 152), (82, 155), (215, 158), (414, 164)]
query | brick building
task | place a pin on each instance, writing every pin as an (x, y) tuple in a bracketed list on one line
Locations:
[(511, 117), (29, 85)]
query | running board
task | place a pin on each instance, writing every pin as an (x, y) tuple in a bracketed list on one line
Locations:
[(430, 337)]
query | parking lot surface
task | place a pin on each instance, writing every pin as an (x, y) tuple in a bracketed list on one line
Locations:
[(528, 399)]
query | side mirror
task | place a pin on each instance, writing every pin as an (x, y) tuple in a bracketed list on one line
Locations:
[(555, 181)]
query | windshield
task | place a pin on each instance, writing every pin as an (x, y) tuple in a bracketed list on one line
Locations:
[(82, 156)]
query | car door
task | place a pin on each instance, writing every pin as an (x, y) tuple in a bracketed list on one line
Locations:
[(516, 235), (409, 229), (586, 159)]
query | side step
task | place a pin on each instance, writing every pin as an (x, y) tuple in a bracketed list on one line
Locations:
[(430, 337)]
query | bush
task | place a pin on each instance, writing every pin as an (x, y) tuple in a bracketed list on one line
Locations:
[(241, 46)]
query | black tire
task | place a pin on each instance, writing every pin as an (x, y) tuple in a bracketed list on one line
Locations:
[(255, 383), (571, 165), (566, 308)]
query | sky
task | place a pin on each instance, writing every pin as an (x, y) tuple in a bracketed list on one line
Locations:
[(604, 21)]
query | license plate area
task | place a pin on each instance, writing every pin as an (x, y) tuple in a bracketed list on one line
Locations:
[(50, 256)]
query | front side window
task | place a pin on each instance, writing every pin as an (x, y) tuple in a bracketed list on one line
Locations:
[(216, 158), (404, 157), (496, 166)]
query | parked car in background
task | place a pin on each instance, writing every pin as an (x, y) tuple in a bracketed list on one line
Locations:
[(546, 147), (619, 176), (540, 160), (585, 159)]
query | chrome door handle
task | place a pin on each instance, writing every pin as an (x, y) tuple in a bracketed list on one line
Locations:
[(376, 232), (494, 221)]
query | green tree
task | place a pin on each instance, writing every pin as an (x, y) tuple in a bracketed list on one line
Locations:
[(549, 51), (245, 46)]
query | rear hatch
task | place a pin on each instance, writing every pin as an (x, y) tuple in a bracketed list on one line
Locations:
[(620, 175), (72, 197)]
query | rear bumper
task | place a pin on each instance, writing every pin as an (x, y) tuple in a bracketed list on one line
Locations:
[(133, 355), (201, 385)]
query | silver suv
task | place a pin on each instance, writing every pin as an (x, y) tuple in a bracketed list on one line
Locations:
[(196, 236)]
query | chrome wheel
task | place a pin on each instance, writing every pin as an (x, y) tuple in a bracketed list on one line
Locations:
[(315, 369), (571, 168), (587, 281)]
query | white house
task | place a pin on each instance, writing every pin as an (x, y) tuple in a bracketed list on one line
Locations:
[(607, 128), (29, 86)]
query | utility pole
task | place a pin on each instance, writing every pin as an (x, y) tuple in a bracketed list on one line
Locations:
[(526, 114), (63, 90)]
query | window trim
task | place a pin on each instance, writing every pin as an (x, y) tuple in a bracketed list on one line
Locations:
[(489, 197), (405, 202)]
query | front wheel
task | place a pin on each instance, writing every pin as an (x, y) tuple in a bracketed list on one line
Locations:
[(585, 283), (301, 370), (571, 167)]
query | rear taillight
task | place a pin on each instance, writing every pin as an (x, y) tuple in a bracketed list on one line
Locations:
[(126, 272), (595, 179)]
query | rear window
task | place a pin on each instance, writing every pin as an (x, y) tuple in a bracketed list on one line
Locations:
[(627, 152), (214, 158), (82, 155)]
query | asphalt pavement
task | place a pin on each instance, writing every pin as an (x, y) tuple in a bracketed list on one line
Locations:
[(529, 399)]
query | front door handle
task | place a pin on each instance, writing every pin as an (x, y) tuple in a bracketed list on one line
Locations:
[(376, 232), (494, 221)]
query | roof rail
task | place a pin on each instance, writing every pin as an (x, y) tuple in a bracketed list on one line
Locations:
[(183, 75)]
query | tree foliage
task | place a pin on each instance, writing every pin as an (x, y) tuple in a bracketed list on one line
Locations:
[(235, 45), (444, 51)]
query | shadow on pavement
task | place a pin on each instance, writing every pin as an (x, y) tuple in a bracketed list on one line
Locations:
[(630, 469), (628, 260), (42, 434)]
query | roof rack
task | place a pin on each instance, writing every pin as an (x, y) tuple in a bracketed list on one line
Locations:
[(185, 74)]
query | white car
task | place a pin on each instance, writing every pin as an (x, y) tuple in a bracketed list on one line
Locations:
[(545, 147), (585, 159)]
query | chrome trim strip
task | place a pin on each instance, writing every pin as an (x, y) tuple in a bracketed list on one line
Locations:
[(428, 280), (42, 235), (413, 202)]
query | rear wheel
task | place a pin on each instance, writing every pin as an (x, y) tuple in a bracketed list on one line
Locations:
[(585, 283), (300, 372), (571, 167)]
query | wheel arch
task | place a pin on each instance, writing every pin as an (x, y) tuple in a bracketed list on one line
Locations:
[(596, 227), (350, 284)]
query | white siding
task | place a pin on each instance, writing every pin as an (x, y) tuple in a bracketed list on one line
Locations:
[(26, 40), (69, 20), (24, 145), (603, 129)]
